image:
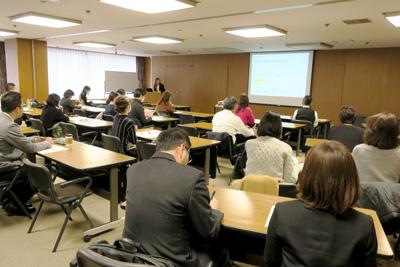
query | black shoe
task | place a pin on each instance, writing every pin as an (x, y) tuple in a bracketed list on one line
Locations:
[(13, 210)]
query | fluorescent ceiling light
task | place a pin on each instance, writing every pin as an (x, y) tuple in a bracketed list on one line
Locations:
[(45, 20), (310, 46), (151, 6), (157, 39), (7, 32), (255, 31), (393, 17), (94, 44)]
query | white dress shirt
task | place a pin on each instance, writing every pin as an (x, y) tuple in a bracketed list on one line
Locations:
[(226, 121)]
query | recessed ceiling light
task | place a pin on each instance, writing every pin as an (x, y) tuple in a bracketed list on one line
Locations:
[(94, 44), (255, 31), (393, 17), (7, 32), (45, 20), (310, 46), (151, 6), (157, 39)]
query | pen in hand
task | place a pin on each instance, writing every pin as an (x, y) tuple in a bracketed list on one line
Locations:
[(212, 196)]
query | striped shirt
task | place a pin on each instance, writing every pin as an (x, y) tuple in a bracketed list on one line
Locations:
[(124, 129)]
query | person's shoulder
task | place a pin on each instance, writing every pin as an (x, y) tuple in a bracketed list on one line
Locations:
[(360, 147), (289, 206)]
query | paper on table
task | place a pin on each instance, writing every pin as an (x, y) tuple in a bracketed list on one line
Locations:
[(148, 112), (269, 216), (295, 160), (53, 149), (148, 134), (178, 112)]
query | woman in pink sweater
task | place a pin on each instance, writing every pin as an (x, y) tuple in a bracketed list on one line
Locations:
[(243, 111)]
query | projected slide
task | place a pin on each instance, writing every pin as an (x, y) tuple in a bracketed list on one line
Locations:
[(282, 78)]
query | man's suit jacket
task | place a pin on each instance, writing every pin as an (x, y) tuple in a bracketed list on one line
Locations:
[(13, 142), (167, 205), (162, 88), (298, 236), (137, 114)]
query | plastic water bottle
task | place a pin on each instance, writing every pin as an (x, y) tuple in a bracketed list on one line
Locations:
[(23, 126), (28, 103)]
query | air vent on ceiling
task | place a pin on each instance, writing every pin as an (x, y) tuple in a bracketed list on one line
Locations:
[(356, 21)]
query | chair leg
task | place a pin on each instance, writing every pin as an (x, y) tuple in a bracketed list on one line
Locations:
[(36, 215), (22, 206), (86, 217), (63, 228), (219, 171), (396, 248), (66, 212)]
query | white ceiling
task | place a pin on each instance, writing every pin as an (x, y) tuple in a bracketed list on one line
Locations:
[(201, 27)]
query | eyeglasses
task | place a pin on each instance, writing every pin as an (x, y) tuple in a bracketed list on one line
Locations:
[(190, 157)]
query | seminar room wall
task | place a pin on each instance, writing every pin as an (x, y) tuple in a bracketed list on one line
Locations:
[(368, 79)]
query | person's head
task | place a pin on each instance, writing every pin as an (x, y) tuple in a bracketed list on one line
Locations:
[(86, 90), (165, 97), (382, 131), (112, 96), (176, 142), (329, 179), (270, 124), (69, 93), (157, 81), (140, 94), (11, 103), (10, 87), (230, 102), (243, 102), (120, 91), (348, 115), (122, 104), (307, 100), (53, 100)]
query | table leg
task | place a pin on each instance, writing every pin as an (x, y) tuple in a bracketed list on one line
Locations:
[(109, 130), (298, 143), (325, 130), (114, 194), (207, 165), (169, 125)]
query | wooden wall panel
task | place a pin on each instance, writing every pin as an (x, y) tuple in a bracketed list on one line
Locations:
[(179, 61), (330, 58), (199, 97), (41, 70), (179, 79), (3, 69), (147, 73), (391, 88), (12, 61), (25, 68), (364, 78), (238, 74), (159, 70), (216, 80)]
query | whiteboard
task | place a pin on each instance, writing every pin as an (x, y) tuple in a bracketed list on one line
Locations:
[(125, 80)]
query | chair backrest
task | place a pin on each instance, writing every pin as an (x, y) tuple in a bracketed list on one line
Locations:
[(108, 117), (80, 112), (263, 184), (164, 114), (191, 130), (288, 190), (360, 120), (186, 118), (147, 105), (145, 150), (111, 143), (88, 258), (40, 178), (69, 128), (38, 125), (309, 127)]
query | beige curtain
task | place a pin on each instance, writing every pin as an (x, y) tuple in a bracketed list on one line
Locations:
[(3, 71), (140, 71)]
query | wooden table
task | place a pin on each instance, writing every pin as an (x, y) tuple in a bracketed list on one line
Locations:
[(321, 122), (197, 115), (168, 120), (84, 158), (92, 110), (248, 212), (310, 142), (206, 126), (198, 144), (30, 131), (32, 112), (92, 124)]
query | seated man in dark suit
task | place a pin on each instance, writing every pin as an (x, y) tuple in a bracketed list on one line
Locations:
[(168, 206), (137, 111), (347, 133), (13, 143)]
